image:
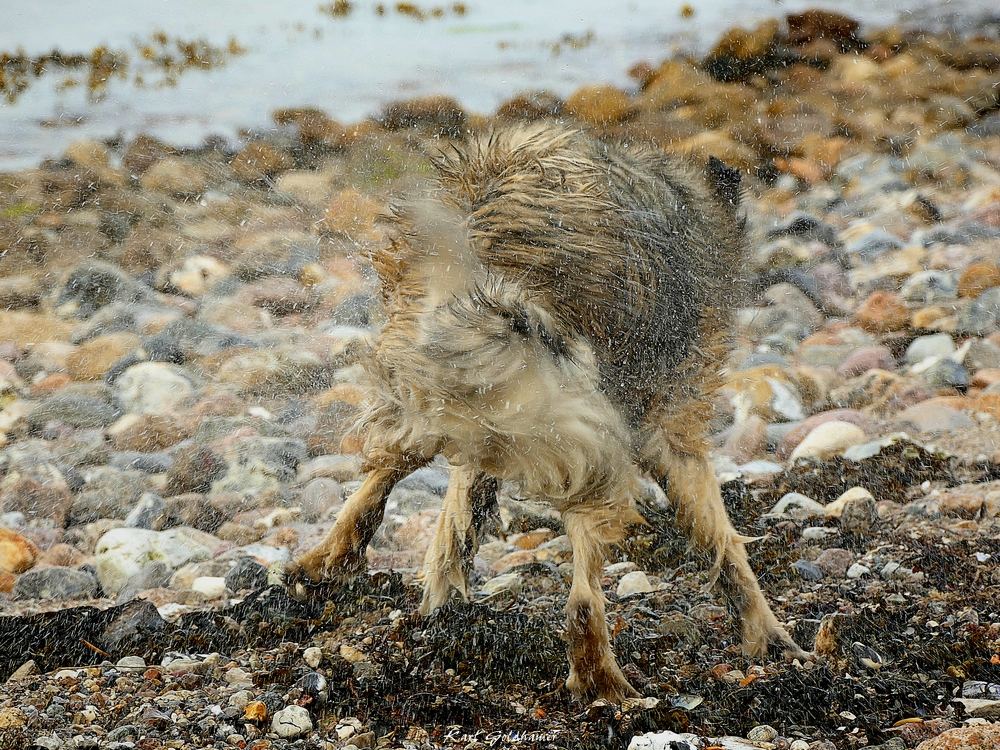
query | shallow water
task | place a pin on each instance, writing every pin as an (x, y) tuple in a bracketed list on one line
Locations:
[(297, 55)]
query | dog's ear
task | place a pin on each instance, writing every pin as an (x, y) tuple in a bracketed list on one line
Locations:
[(725, 181)]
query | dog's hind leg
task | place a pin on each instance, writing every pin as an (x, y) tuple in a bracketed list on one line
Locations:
[(471, 497), (341, 555), (691, 486), (593, 671)]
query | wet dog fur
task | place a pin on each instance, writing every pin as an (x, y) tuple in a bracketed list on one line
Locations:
[(557, 314)]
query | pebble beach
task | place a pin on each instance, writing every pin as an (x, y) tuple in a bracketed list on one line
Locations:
[(180, 337)]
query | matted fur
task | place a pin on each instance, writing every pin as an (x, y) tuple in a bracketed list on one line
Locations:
[(557, 314)]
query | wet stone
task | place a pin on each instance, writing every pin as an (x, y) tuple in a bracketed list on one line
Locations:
[(77, 411), (809, 571), (936, 345), (246, 573), (835, 561), (57, 584), (947, 373)]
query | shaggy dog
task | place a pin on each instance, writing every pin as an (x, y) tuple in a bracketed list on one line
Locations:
[(557, 316)]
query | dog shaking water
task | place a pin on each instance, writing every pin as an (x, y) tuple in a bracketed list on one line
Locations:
[(558, 312)]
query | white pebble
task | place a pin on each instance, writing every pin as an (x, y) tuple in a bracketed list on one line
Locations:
[(210, 587), (857, 570), (292, 721), (312, 656), (635, 582), (762, 733)]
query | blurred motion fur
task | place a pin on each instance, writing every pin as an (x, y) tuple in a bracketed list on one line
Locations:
[(558, 309)]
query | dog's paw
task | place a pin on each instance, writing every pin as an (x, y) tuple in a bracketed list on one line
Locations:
[(314, 576), (604, 681), (774, 639)]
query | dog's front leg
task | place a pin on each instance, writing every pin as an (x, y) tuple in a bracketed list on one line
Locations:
[(341, 555), (471, 496), (593, 671)]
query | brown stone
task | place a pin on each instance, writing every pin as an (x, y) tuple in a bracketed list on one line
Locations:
[(94, 358), (866, 358), (314, 125), (259, 160), (816, 24), (531, 539), (436, 113), (179, 177), (49, 384), (193, 509), (882, 312), (510, 560), (599, 105), (146, 432), (144, 152), (977, 278), (354, 214), (194, 469), (239, 534), (531, 106), (62, 555), (961, 505), (26, 329), (975, 737), (36, 500), (17, 554), (934, 318)]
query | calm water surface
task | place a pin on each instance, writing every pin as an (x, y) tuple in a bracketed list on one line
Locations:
[(298, 55)]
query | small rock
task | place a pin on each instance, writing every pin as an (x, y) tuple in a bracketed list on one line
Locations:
[(931, 417), (809, 571), (947, 373), (929, 287), (599, 105), (150, 512), (56, 583), (506, 583), (857, 510), (982, 316), (936, 345), (835, 561), (882, 312), (977, 278), (247, 574), (975, 737), (154, 388), (827, 440), (17, 554), (77, 411), (122, 553), (259, 160), (857, 570), (864, 359), (665, 741), (94, 358), (210, 587), (636, 582), (313, 657), (176, 176), (762, 733), (798, 506)]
